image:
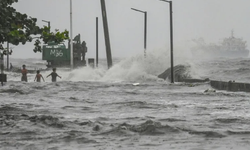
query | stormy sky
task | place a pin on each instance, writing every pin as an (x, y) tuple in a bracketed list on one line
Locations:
[(210, 19)]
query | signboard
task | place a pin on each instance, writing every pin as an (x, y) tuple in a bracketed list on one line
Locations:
[(55, 52)]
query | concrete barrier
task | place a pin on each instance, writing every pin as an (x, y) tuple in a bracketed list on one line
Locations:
[(223, 85), (230, 86), (194, 80)]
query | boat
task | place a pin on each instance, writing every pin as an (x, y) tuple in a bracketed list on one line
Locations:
[(230, 47)]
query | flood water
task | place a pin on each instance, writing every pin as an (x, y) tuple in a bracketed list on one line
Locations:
[(99, 109)]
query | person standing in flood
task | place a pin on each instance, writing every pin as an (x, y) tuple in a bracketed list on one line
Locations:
[(38, 77), (54, 75), (11, 67), (24, 74)]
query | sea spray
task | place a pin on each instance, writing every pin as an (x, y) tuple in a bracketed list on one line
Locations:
[(135, 68), (84, 74)]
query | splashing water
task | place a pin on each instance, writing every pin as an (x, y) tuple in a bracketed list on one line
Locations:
[(107, 115), (135, 68), (132, 69)]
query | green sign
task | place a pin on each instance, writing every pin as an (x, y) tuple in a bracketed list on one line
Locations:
[(56, 52)]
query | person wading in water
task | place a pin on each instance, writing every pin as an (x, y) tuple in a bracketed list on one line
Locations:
[(24, 74), (38, 77), (54, 75)]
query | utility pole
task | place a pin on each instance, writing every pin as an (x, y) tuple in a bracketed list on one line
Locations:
[(106, 34), (145, 34), (71, 38), (171, 39), (97, 47)]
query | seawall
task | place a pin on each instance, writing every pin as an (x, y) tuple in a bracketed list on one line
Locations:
[(222, 85), (230, 86)]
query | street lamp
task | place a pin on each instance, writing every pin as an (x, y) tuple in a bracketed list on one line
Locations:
[(145, 29), (47, 22), (171, 38)]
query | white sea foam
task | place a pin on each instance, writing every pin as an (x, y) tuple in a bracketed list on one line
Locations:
[(135, 68), (129, 69), (104, 115)]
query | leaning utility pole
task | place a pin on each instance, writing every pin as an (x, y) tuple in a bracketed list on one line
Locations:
[(171, 40), (106, 33)]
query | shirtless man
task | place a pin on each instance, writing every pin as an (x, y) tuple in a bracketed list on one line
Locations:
[(54, 75), (38, 77), (24, 74)]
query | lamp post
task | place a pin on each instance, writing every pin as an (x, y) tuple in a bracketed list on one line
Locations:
[(145, 29), (8, 56), (171, 39), (71, 37), (2, 67), (48, 23)]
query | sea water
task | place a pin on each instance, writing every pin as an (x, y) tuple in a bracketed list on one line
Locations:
[(126, 107)]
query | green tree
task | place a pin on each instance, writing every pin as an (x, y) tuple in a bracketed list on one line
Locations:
[(16, 28)]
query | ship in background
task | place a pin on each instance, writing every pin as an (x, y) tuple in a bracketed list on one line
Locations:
[(230, 47)]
